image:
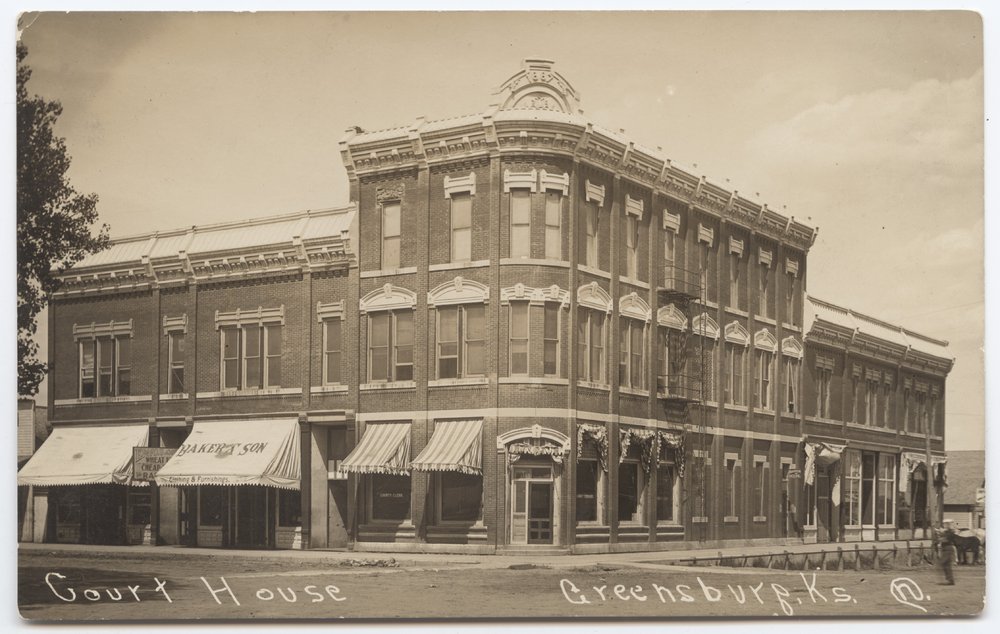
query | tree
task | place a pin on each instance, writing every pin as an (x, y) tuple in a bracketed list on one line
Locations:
[(54, 221)]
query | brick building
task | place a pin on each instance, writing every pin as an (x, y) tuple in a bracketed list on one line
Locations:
[(526, 331)]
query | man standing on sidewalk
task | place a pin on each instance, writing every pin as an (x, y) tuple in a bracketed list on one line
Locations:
[(946, 550)]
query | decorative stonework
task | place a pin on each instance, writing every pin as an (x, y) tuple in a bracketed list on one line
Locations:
[(735, 246), (388, 297), (554, 182), (594, 193), (329, 310), (706, 234), (389, 193), (670, 317), (705, 326), (671, 221), (538, 87), (764, 340), (633, 206), (520, 180), (736, 333), (792, 267), (634, 307), (458, 291), (764, 256), (175, 324), (593, 296), (791, 347), (534, 296), (259, 316), (94, 330), (460, 185)]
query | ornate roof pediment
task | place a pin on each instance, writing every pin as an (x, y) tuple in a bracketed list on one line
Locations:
[(537, 87)]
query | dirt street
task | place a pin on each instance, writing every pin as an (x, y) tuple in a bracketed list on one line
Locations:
[(51, 587)]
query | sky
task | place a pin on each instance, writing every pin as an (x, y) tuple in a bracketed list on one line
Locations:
[(866, 125)]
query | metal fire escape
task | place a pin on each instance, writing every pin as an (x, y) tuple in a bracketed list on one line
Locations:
[(682, 389)]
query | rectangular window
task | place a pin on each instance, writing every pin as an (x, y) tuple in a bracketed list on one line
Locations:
[(669, 364), (631, 353), (630, 492), (790, 299), (587, 490), (331, 351), (763, 379), (590, 361), (763, 289), (272, 360), (460, 497), (734, 280), (867, 488), (518, 338), (461, 341), (886, 504), (175, 357), (461, 228), (251, 356), (550, 340), (704, 272), (520, 223), (211, 505), (734, 480), (88, 371), (391, 235), (886, 399), (852, 487), (553, 225), (701, 483), (735, 360), (105, 367), (631, 247), (390, 346), (231, 358), (665, 496), (389, 497), (123, 366), (791, 386), (592, 226), (289, 508), (824, 379), (761, 471), (669, 256)]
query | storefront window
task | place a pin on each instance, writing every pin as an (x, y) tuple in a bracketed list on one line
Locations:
[(587, 478), (210, 505), (852, 487), (665, 493), (629, 492), (886, 486), (461, 496), (867, 488), (138, 507), (390, 497), (68, 506), (289, 508)]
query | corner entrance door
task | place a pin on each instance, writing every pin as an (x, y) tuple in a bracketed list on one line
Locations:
[(531, 505)]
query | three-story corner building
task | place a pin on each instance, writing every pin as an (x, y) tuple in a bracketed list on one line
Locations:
[(526, 331)]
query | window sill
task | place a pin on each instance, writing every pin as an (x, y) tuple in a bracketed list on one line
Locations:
[(731, 519), (334, 388), (707, 303), (668, 524), (699, 519), (759, 519), (589, 524), (583, 268), (451, 266), (533, 380), (175, 396), (883, 430), (737, 312), (766, 320), (562, 264), (633, 391), (478, 380), (388, 385), (633, 282), (764, 410), (97, 400), (817, 419), (631, 524), (736, 408), (265, 391), (789, 416), (386, 272), (791, 327), (604, 387)]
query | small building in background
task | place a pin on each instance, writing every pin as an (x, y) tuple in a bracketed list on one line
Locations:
[(965, 497), (32, 429)]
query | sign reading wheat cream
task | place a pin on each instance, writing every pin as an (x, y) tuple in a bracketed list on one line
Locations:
[(146, 461)]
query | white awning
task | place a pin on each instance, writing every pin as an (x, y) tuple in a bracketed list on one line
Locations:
[(232, 452), (85, 454), (456, 445), (384, 448)]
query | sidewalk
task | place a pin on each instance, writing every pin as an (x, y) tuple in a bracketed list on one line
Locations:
[(339, 557)]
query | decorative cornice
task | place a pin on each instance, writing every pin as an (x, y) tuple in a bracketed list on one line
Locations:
[(704, 326), (735, 246), (458, 291), (553, 182), (388, 297), (593, 296), (764, 256), (792, 347), (736, 333), (706, 234), (670, 317), (329, 310), (534, 296), (94, 330), (392, 192), (594, 193), (764, 340), (671, 221), (634, 307), (633, 206), (259, 316), (175, 324), (460, 185), (520, 180)]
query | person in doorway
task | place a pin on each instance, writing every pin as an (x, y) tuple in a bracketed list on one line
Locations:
[(944, 536)]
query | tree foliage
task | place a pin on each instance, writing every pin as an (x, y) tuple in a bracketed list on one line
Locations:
[(54, 221)]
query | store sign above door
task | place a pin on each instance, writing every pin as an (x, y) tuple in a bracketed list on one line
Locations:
[(146, 461)]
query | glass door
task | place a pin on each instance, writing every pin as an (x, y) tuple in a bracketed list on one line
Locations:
[(540, 513), (531, 505)]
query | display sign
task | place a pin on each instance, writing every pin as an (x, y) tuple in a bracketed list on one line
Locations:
[(146, 461)]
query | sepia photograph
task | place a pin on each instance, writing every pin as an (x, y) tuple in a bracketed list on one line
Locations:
[(519, 315)]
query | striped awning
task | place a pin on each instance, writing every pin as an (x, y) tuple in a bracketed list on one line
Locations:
[(85, 454), (384, 448), (455, 446)]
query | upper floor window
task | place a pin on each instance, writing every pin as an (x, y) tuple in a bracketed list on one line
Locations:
[(824, 379), (518, 326), (763, 292), (631, 364), (104, 359), (175, 360), (871, 402), (763, 379), (790, 299), (550, 340), (761, 490), (390, 346), (670, 364), (251, 356), (886, 399), (553, 225), (332, 348), (735, 371), (592, 220), (669, 256), (461, 339), (734, 487), (391, 232), (791, 385), (520, 223), (590, 340), (461, 227), (631, 247)]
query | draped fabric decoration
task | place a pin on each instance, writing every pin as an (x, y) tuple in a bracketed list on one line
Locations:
[(644, 437), (597, 434), (518, 449), (822, 454), (910, 460), (673, 442)]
